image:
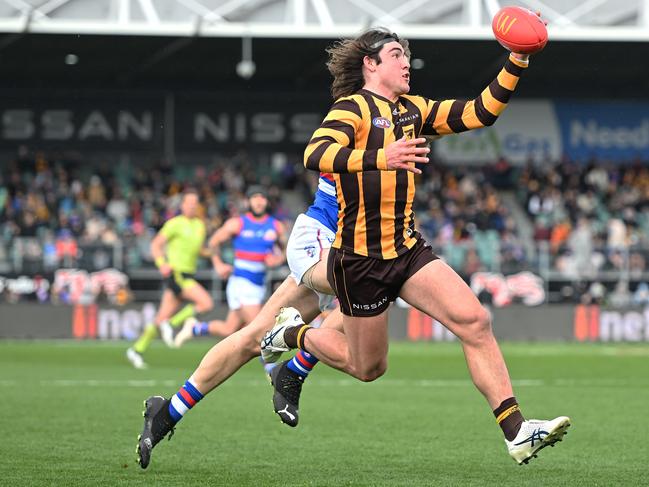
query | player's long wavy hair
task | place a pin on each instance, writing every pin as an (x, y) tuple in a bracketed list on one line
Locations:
[(346, 59)]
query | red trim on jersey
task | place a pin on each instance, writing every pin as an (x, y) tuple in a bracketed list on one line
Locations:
[(246, 255)]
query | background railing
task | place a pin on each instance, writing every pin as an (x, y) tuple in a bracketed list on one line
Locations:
[(592, 274)]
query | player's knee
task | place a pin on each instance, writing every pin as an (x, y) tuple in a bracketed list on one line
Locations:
[(205, 305), (370, 374), (477, 325), (483, 321), (248, 342)]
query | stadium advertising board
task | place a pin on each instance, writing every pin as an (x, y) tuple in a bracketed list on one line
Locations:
[(194, 123), (102, 322), (517, 322), (604, 130), (546, 130), (89, 122), (210, 122), (594, 324), (562, 323), (526, 130)]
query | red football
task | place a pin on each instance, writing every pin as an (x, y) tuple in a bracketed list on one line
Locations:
[(519, 30)]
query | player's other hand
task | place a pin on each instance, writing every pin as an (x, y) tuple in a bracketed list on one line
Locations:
[(223, 270), (165, 270), (400, 153)]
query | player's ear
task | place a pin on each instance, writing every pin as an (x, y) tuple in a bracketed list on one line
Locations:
[(369, 63)]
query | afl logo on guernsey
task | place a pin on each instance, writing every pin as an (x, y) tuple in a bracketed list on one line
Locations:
[(381, 123)]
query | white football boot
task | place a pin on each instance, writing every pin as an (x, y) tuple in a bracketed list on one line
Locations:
[(167, 334), (273, 344), (535, 435), (136, 359), (186, 332)]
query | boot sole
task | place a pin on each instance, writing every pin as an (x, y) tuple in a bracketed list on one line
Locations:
[(555, 436)]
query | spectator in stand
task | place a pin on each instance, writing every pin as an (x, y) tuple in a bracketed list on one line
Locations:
[(559, 235), (617, 234), (641, 295), (67, 250), (117, 208), (580, 243)]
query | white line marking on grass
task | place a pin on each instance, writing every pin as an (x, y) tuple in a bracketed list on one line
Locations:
[(261, 382), (108, 383), (349, 382)]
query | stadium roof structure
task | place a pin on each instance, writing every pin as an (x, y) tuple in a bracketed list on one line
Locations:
[(573, 20), (230, 45)]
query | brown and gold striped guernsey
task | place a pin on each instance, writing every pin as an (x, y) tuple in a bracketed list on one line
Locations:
[(375, 216)]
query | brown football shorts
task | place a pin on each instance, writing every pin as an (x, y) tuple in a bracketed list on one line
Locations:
[(366, 286)]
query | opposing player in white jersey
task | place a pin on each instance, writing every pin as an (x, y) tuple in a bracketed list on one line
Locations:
[(306, 289)]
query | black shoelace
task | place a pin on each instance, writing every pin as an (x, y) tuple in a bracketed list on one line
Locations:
[(291, 386), (165, 427)]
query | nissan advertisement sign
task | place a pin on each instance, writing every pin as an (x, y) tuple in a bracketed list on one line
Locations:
[(184, 123), (537, 130)]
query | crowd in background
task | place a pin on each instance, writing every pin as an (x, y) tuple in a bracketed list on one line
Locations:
[(461, 213), (594, 217), (59, 205), (69, 212)]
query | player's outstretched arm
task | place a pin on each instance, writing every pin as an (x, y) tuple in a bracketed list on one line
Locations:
[(456, 116)]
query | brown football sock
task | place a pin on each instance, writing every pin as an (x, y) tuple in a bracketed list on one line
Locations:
[(509, 417), (294, 336)]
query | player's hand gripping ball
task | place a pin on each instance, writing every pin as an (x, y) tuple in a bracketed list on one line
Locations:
[(520, 30)]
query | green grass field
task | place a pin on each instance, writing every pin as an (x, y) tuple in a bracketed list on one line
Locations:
[(72, 412)]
